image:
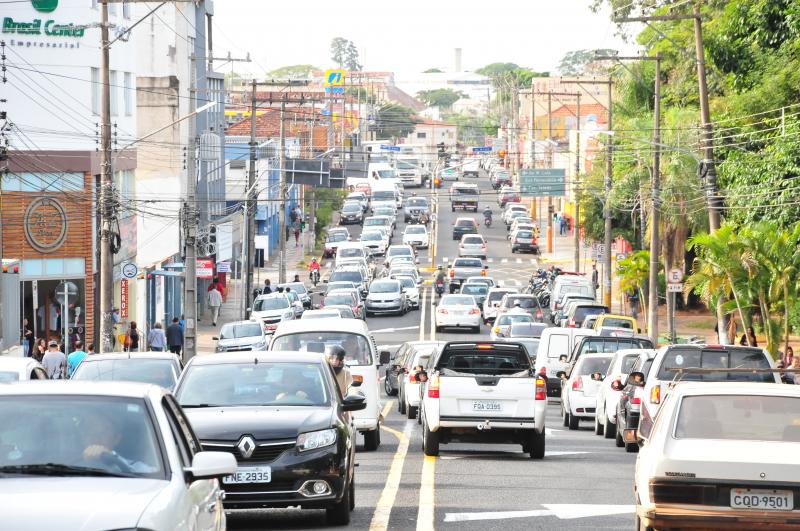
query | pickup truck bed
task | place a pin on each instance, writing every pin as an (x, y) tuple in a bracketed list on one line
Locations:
[(484, 393)]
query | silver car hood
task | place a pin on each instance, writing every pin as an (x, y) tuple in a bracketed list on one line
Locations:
[(75, 504), (241, 341)]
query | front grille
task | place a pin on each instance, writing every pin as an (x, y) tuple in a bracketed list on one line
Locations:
[(261, 453), (246, 488), (243, 348), (271, 320)]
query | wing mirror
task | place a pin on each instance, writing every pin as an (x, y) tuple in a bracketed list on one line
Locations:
[(616, 385), (215, 338), (635, 378), (385, 355), (598, 377), (210, 465), (562, 375), (357, 380), (354, 402)]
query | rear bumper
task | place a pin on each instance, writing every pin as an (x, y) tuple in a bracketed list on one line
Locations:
[(365, 424), (694, 517), (582, 406)]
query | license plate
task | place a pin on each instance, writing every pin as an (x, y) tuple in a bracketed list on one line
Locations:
[(762, 499), (485, 405), (250, 474)]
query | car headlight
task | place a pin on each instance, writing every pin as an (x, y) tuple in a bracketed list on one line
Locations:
[(220, 349), (288, 315), (316, 439), (259, 346)]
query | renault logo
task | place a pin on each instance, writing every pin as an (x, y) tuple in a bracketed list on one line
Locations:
[(246, 446)]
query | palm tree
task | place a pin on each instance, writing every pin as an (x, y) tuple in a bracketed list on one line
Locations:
[(633, 272)]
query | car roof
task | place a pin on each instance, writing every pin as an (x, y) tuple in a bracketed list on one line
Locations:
[(745, 388), (14, 363), (464, 218), (261, 357), (332, 324), (102, 356), (271, 296), (85, 387)]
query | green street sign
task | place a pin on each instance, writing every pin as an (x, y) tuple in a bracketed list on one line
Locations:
[(546, 182)]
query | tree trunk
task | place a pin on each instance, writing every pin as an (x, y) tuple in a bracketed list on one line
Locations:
[(765, 319), (739, 308), (786, 315)]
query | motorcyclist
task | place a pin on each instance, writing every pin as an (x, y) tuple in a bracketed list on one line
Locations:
[(487, 212), (313, 270), (439, 280)]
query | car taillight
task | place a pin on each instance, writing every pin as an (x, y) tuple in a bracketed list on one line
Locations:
[(433, 387), (541, 389), (577, 384), (655, 394), (474, 311), (636, 400), (442, 311), (483, 272), (412, 378), (572, 323)]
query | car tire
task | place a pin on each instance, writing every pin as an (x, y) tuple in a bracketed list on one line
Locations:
[(574, 422), (618, 439), (598, 428), (339, 513), (353, 493), (631, 448), (564, 417), (535, 444), (430, 441), (438, 329), (372, 439), (609, 429), (387, 386), (411, 412), (367, 314), (401, 404)]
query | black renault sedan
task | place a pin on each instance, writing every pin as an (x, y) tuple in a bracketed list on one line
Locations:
[(283, 418)]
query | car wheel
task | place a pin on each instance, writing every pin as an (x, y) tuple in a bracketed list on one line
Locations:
[(372, 439), (573, 422), (598, 428), (401, 404), (339, 513), (430, 441), (631, 448), (411, 412), (535, 444), (618, 438), (564, 417), (609, 429), (352, 493), (367, 314), (387, 386)]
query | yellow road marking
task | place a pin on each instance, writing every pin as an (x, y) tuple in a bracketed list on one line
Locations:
[(425, 515), (386, 409), (422, 303), (380, 518)]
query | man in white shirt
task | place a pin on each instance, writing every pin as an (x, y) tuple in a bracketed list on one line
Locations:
[(214, 302), (54, 362)]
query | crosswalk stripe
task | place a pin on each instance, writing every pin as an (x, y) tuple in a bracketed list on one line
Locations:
[(519, 260), (490, 260), (504, 261), (444, 259), (533, 261)]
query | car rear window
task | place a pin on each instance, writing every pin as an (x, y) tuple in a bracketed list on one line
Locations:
[(716, 358), (583, 312), (592, 365), (524, 302), (473, 239), (466, 191), (524, 234), (487, 359), (467, 263), (616, 322), (595, 345), (465, 223)]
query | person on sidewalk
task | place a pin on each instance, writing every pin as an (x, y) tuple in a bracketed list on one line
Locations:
[(132, 338), (175, 336), (54, 362), (297, 235), (595, 278), (157, 339), (214, 303), (75, 358)]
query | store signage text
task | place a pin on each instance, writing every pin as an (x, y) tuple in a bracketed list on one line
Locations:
[(36, 27), (45, 224), (123, 298)]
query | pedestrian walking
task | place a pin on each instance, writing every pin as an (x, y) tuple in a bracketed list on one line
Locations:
[(214, 303), (267, 287), (293, 215), (296, 234), (595, 278), (27, 339), (75, 358), (40, 349), (157, 339), (796, 375), (175, 336), (633, 300), (132, 338), (54, 362)]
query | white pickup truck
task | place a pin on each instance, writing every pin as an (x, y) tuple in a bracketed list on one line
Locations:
[(484, 392)]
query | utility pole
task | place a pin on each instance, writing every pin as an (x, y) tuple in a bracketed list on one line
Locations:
[(106, 193), (655, 244), (550, 209), (190, 219), (576, 224), (250, 242), (282, 188)]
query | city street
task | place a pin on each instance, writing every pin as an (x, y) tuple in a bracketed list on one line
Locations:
[(584, 481)]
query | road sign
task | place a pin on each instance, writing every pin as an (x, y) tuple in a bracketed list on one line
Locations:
[(675, 276), (334, 78), (224, 267), (675, 288), (547, 182), (621, 256), (129, 270), (598, 251), (205, 268), (485, 149), (386, 147)]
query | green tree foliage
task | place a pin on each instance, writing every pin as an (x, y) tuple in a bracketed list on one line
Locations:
[(339, 51), (351, 59), (444, 98), (395, 121), (574, 63), (433, 71), (292, 72), (472, 129)]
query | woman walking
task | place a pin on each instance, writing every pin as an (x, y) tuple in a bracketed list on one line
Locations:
[(132, 338), (40, 349)]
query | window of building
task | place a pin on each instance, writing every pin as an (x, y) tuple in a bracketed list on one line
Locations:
[(95, 91), (127, 94), (112, 8), (112, 88), (422, 135), (126, 10)]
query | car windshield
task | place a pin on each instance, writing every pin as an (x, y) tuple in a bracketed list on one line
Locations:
[(399, 251), (351, 207), (417, 202), (407, 282), (336, 237), (739, 417), (356, 346), (415, 229), (384, 211), (523, 302), (350, 252), (338, 299), (497, 295), (385, 287), (508, 318), (371, 237), (466, 191), (531, 344), (524, 234), (239, 330), (372, 222), (254, 384), (467, 262), (348, 276), (465, 223), (594, 345), (456, 300), (628, 362), (716, 358), (296, 287), (270, 303), (617, 323), (588, 366), (474, 289), (53, 435), (160, 372), (8, 376), (383, 195), (386, 174)]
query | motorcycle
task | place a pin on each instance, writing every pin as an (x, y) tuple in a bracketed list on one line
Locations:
[(314, 277), (487, 220), (440, 288)]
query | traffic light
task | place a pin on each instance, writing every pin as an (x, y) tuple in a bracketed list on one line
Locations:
[(442, 151), (502, 153)]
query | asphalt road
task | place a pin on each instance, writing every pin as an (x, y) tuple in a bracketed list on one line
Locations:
[(583, 482)]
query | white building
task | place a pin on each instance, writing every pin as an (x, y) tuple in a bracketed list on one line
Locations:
[(473, 86)]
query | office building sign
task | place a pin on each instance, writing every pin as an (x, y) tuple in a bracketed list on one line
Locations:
[(45, 224)]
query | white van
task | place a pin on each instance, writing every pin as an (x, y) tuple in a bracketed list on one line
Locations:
[(384, 194), (554, 343), (569, 284), (351, 250), (362, 359)]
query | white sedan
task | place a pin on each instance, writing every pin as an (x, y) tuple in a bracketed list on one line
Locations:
[(720, 455), (416, 236), (458, 311), (14, 369), (132, 462), (412, 290), (610, 391), (579, 390), (503, 322)]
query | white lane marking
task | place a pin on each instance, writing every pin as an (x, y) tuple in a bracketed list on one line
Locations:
[(519, 260), (380, 518), (534, 261), (560, 511), (501, 283), (514, 282), (389, 330), (504, 261), (490, 260), (425, 514), (444, 259), (422, 308)]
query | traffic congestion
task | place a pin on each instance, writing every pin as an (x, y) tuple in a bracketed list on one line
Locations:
[(419, 335)]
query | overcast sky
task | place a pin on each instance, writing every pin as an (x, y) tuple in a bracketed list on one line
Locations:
[(410, 35)]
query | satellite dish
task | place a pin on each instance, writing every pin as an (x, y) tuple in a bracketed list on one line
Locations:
[(71, 291)]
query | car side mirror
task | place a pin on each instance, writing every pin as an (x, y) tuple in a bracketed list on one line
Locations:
[(249, 310), (635, 378), (598, 377), (210, 465), (356, 382), (325, 281), (561, 374), (215, 338), (353, 402), (385, 355), (616, 385), (630, 435)]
